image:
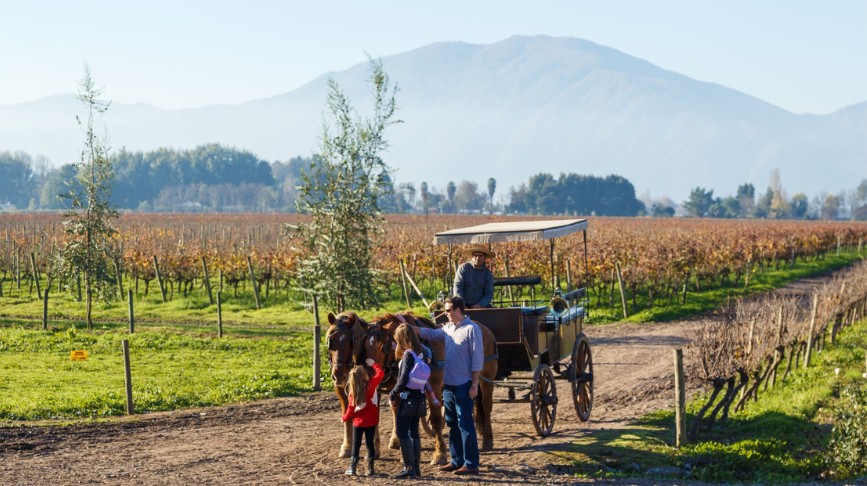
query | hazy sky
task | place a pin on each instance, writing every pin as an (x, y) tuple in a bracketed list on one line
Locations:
[(804, 56)]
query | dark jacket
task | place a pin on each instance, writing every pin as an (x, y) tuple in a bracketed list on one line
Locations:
[(474, 285)]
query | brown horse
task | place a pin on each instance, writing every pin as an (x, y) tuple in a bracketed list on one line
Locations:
[(344, 347), (387, 324), (378, 345)]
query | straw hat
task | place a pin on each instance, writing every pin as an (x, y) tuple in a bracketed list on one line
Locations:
[(468, 252)]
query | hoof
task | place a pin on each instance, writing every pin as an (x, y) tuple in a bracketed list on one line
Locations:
[(394, 445), (441, 461), (344, 453)]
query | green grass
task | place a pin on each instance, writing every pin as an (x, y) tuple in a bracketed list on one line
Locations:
[(38, 380), (782, 438), (708, 300)]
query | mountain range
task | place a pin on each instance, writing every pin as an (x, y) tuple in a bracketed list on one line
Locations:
[(509, 110)]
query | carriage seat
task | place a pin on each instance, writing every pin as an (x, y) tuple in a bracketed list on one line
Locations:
[(504, 281), (550, 322), (534, 311)]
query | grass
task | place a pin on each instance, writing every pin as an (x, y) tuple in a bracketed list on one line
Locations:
[(38, 380), (708, 300), (782, 438)]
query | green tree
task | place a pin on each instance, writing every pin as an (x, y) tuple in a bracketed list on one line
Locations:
[(492, 187), (451, 190), (699, 202), (342, 191), (17, 180), (800, 205), (88, 217)]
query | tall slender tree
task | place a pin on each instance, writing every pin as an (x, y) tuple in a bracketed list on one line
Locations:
[(88, 216), (342, 190)]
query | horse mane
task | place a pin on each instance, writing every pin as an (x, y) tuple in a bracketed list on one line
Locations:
[(424, 321)]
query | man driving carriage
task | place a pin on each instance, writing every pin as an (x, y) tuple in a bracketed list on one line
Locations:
[(474, 281)]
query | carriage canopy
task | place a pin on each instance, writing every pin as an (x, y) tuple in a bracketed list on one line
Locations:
[(511, 232)]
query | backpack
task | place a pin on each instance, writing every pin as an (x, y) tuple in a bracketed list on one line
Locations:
[(419, 373)]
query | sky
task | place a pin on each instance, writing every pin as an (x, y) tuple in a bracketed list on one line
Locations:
[(803, 56)]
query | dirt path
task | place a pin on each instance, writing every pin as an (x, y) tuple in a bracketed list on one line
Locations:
[(295, 440)]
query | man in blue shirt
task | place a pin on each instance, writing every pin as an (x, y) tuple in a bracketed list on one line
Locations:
[(474, 282), (465, 357)]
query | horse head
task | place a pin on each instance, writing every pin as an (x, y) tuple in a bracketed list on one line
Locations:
[(378, 344), (344, 344)]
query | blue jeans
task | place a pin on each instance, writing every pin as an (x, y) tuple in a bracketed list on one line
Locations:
[(463, 445)]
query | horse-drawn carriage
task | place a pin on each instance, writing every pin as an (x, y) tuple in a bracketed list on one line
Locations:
[(519, 335), (543, 339)]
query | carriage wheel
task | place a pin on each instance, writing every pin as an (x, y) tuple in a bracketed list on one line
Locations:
[(581, 377), (543, 400)]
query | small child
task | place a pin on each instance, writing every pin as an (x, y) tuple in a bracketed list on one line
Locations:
[(364, 412)]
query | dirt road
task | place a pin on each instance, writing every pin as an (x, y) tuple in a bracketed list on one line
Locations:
[(295, 440)]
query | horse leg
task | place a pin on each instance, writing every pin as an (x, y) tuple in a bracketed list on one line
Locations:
[(437, 423), (484, 407), (394, 443), (346, 448), (376, 430)]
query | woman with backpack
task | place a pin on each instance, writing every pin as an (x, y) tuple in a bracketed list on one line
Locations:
[(408, 398)]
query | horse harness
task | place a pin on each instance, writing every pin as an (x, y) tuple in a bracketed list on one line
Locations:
[(342, 330)]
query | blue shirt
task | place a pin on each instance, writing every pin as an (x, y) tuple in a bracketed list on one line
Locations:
[(465, 352)]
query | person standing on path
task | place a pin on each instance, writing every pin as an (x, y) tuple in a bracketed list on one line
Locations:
[(465, 357), (474, 281), (408, 349), (363, 411)]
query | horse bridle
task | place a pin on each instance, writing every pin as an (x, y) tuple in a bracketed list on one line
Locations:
[(342, 330), (390, 367)]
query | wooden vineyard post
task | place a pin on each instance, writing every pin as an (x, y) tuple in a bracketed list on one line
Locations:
[(159, 279), (131, 313), (838, 245), (752, 330), (253, 279), (207, 281), (622, 292), (35, 275), (317, 336), (809, 352), (45, 309), (404, 285), (119, 275), (777, 356), (568, 275), (219, 315), (18, 268), (680, 392), (127, 378), (412, 282)]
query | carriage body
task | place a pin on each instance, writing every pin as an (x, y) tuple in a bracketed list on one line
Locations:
[(530, 336)]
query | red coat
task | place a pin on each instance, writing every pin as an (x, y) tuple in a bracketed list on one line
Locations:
[(368, 416)]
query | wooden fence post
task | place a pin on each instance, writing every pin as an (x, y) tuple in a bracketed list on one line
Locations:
[(680, 392), (159, 279), (45, 309), (411, 281), (35, 274), (508, 287), (404, 285), (568, 275), (809, 352), (622, 292), (127, 378), (219, 315), (207, 281), (255, 284), (131, 314), (317, 336)]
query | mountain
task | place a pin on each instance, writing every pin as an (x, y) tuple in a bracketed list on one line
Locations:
[(509, 110)]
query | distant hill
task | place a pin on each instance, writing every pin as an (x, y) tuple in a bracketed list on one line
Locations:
[(509, 110)]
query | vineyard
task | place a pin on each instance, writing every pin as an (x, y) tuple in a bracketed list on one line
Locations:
[(661, 261)]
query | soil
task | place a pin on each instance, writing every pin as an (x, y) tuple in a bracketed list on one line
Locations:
[(296, 440)]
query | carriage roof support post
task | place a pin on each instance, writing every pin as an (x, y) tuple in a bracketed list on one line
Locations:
[(584, 278), (553, 280)]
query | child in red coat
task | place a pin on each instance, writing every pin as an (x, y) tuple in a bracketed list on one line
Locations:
[(364, 412)]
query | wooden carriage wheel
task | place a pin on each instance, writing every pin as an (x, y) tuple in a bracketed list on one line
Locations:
[(581, 377), (543, 400)]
